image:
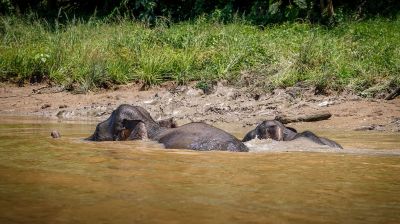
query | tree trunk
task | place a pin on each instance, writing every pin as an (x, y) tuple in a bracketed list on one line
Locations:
[(326, 7), (305, 118), (329, 8)]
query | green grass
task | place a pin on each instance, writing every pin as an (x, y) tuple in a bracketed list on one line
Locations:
[(360, 56)]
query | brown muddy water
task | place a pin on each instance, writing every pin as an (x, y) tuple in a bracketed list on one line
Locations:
[(69, 180)]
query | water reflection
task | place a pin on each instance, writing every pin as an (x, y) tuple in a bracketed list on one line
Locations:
[(68, 180)]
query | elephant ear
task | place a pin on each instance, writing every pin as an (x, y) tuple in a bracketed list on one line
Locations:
[(249, 136)]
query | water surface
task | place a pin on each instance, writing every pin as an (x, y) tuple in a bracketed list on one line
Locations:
[(68, 180)]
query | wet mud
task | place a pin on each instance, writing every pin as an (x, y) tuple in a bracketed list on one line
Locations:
[(223, 105)]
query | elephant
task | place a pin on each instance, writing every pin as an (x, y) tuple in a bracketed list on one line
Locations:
[(110, 129), (106, 130), (133, 122), (275, 130)]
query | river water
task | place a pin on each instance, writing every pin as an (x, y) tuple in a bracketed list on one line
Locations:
[(69, 180)]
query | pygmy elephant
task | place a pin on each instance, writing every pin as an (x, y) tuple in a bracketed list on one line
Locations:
[(133, 122), (275, 130)]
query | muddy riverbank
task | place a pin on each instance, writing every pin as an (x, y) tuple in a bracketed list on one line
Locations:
[(223, 105)]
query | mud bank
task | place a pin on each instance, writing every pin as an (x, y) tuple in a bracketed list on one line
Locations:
[(223, 105)]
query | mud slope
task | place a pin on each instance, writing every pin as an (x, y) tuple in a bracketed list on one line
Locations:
[(224, 105)]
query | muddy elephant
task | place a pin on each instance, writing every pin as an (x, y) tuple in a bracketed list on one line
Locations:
[(110, 129), (275, 130), (133, 122)]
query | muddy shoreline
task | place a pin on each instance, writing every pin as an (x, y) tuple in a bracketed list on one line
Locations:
[(223, 105)]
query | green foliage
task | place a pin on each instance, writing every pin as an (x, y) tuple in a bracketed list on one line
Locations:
[(359, 56), (260, 12), (6, 6)]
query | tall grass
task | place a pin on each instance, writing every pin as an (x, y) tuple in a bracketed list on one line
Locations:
[(360, 56)]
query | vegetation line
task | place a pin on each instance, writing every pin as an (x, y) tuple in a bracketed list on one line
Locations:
[(359, 56)]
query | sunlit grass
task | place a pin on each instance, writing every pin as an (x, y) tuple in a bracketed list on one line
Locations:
[(359, 56)]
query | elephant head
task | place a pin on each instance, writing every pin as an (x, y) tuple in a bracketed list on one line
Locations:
[(271, 129), (114, 128)]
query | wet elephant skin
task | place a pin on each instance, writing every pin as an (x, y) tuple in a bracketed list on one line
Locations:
[(128, 122), (200, 136), (275, 130), (111, 128)]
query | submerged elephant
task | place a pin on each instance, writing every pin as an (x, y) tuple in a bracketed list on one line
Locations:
[(275, 130), (133, 122), (110, 129)]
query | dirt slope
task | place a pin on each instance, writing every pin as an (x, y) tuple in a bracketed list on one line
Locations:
[(224, 105)]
